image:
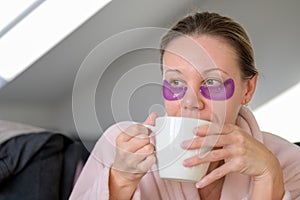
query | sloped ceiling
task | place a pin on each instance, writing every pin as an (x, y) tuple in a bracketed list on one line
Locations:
[(51, 77), (274, 30)]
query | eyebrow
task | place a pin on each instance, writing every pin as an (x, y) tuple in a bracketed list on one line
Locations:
[(204, 72), (214, 69), (173, 70)]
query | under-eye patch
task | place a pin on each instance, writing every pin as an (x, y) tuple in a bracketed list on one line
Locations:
[(220, 92), (172, 93)]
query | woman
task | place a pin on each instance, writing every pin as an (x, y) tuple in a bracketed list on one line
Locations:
[(245, 163)]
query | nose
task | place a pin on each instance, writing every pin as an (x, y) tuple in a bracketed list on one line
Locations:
[(192, 100)]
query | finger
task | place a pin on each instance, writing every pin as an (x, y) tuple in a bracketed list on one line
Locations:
[(147, 163), (146, 150), (141, 155), (214, 175), (151, 119), (214, 129), (133, 131), (211, 156), (129, 160), (207, 129), (134, 144), (209, 141), (202, 130)]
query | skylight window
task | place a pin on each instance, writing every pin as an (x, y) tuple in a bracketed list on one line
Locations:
[(14, 11), (39, 31)]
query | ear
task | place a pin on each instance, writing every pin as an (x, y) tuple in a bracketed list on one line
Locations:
[(250, 87)]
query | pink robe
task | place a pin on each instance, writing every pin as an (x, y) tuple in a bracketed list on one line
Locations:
[(93, 181)]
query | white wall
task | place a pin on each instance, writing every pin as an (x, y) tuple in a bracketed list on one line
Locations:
[(34, 114)]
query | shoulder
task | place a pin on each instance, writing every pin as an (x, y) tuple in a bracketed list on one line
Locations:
[(288, 155), (280, 146), (286, 152)]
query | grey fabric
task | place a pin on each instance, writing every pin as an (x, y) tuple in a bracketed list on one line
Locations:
[(38, 166)]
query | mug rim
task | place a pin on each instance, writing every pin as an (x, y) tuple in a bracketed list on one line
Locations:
[(184, 118)]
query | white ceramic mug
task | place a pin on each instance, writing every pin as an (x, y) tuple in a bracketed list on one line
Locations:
[(170, 132)]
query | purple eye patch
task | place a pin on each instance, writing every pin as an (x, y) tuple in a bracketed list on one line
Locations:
[(220, 92), (172, 93)]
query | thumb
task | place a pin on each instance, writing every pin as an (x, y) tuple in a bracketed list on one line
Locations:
[(151, 119)]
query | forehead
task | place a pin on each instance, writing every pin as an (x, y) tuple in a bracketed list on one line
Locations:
[(191, 55)]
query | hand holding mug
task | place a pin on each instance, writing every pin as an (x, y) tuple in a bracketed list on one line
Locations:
[(134, 152), (240, 151)]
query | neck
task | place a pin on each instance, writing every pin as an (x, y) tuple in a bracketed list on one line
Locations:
[(212, 191)]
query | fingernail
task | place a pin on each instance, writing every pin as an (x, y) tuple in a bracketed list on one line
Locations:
[(195, 130), (185, 144), (200, 184), (198, 130), (187, 162)]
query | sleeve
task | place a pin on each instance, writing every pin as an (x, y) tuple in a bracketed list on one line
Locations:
[(93, 181), (287, 196), (289, 157)]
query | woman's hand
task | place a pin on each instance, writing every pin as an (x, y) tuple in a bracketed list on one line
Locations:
[(134, 157), (241, 153)]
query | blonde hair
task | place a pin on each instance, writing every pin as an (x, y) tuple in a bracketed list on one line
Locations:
[(220, 26)]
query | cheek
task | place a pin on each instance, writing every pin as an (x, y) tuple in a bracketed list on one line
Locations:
[(234, 109), (173, 108), (234, 106)]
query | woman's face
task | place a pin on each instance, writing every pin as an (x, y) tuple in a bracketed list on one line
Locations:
[(185, 64)]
